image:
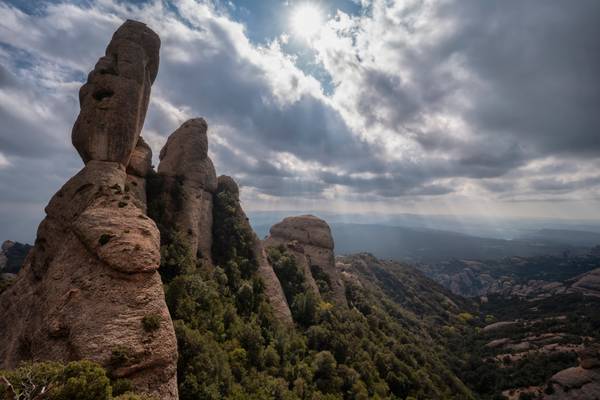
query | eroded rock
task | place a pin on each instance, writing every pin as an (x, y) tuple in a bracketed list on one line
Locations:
[(189, 180), (92, 275), (309, 239)]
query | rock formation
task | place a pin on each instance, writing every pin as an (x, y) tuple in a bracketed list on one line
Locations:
[(115, 97), (273, 289), (309, 239), (189, 183), (581, 382), (92, 278), (139, 167)]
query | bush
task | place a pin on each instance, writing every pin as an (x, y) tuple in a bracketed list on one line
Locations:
[(176, 258), (151, 322), (78, 380)]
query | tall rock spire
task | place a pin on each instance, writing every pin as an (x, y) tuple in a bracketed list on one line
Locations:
[(91, 279), (189, 183), (115, 97)]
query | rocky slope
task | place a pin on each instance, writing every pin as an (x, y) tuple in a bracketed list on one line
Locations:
[(527, 277), (536, 347), (91, 279)]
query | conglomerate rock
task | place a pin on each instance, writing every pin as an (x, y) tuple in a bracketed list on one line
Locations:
[(581, 382), (115, 97), (309, 239), (140, 165), (189, 183), (92, 278)]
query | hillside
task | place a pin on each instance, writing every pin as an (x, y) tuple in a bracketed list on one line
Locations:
[(518, 276)]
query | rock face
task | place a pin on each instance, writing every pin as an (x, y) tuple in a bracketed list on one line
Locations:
[(92, 277), (189, 183), (582, 382), (139, 167), (115, 98), (273, 288), (309, 239)]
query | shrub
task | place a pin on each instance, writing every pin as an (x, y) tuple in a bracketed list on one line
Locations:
[(151, 322), (120, 356), (79, 380)]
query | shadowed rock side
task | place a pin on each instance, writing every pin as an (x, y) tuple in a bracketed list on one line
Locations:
[(309, 239), (139, 167), (189, 183), (273, 288), (92, 277)]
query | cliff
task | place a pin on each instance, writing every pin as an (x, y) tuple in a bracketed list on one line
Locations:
[(91, 278)]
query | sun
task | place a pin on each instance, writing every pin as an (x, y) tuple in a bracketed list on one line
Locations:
[(306, 20)]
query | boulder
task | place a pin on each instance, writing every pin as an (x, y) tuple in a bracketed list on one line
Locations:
[(581, 382)]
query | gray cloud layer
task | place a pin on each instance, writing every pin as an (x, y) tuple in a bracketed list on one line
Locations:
[(430, 99)]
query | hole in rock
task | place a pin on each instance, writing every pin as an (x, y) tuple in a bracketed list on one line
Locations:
[(102, 94)]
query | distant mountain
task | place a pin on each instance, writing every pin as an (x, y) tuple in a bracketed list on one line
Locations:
[(564, 236), (12, 255), (527, 277), (430, 245), (481, 226)]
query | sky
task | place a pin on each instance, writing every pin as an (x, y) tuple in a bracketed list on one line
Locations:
[(450, 107)]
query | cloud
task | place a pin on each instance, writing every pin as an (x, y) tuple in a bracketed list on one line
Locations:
[(406, 100)]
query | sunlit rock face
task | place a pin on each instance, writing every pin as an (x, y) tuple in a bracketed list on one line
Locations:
[(189, 181), (115, 97), (273, 289), (309, 239), (92, 277)]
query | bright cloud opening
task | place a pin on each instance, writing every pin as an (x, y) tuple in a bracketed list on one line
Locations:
[(307, 20)]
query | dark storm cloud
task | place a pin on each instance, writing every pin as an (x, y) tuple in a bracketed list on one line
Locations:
[(230, 90), (539, 62), (534, 73)]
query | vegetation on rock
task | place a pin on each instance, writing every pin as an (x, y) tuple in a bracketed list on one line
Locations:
[(80, 380)]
